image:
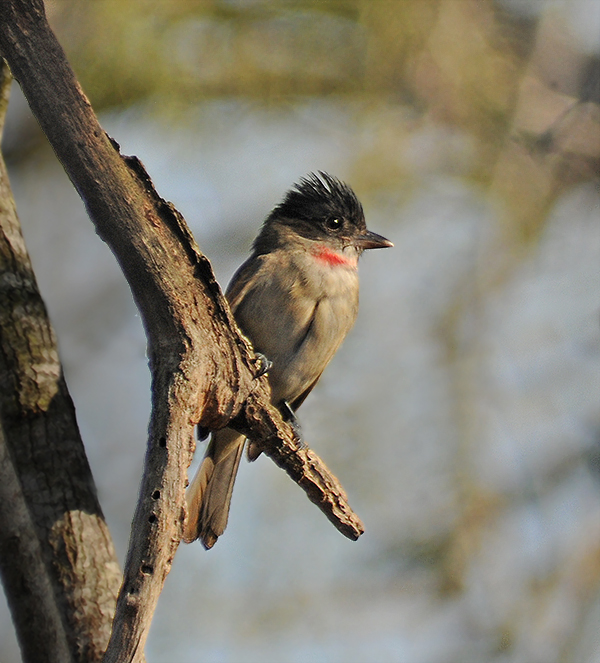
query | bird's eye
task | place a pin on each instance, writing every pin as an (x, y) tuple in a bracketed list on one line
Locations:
[(333, 223)]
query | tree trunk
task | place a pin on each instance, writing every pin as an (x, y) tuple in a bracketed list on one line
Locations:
[(57, 559)]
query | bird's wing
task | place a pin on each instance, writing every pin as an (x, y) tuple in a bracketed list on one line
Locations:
[(296, 403), (243, 281), (259, 296)]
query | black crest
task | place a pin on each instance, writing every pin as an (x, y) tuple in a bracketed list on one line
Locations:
[(318, 206), (320, 196)]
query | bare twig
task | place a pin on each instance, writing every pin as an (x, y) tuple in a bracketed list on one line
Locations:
[(265, 426)]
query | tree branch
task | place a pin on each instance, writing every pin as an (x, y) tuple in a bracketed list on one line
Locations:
[(203, 370), (53, 538)]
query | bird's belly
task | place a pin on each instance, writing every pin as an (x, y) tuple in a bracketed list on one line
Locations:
[(307, 355), (298, 323)]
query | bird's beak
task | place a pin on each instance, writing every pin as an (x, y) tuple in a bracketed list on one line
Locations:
[(372, 241)]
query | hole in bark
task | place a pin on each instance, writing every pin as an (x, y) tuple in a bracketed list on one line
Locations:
[(152, 519), (156, 494), (147, 570)]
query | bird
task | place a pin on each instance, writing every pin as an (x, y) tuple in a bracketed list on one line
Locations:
[(295, 299)]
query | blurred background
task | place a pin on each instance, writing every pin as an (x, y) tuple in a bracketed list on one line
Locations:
[(462, 414)]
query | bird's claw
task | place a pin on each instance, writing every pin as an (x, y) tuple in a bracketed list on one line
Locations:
[(263, 365)]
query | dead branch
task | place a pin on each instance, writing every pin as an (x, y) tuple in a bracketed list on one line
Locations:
[(202, 368)]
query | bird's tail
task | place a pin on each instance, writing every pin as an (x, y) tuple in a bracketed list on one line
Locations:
[(209, 494)]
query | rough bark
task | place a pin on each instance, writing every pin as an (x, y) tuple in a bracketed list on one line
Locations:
[(25, 577), (203, 370), (57, 559)]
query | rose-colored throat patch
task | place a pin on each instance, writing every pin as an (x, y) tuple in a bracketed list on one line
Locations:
[(333, 258)]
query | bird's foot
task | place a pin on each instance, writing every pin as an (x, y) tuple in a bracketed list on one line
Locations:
[(263, 365)]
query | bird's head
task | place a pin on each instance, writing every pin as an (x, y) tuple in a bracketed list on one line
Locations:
[(321, 210)]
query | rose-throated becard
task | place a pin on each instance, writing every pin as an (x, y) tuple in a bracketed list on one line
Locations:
[(295, 298)]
